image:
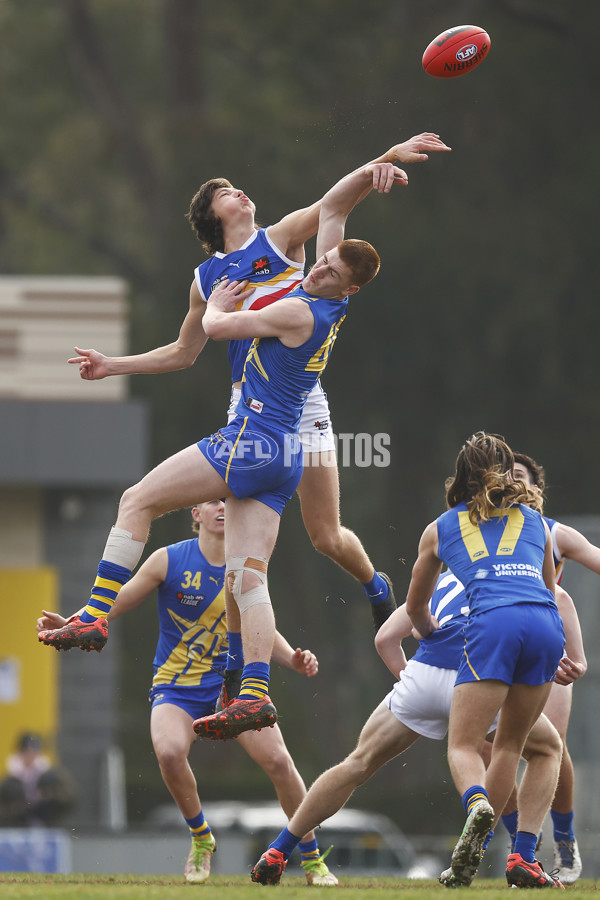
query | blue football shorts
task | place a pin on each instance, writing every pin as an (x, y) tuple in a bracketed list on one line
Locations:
[(197, 701), (518, 644), (264, 465)]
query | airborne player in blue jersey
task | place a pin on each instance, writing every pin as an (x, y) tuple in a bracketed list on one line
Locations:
[(272, 260), (298, 333)]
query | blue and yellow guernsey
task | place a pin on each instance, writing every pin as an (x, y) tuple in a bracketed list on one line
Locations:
[(277, 379), (500, 561), (192, 644), (270, 273)]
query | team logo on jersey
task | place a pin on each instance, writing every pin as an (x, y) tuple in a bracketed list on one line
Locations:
[(261, 266), (217, 282), (190, 599), (322, 425)]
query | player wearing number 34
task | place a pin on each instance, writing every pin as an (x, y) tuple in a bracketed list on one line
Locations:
[(501, 550)]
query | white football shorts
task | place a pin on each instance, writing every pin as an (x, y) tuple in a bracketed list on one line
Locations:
[(316, 432), (422, 698)]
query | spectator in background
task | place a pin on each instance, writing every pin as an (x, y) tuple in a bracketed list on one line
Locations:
[(33, 792)]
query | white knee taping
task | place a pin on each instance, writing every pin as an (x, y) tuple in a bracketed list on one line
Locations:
[(236, 566), (122, 550)]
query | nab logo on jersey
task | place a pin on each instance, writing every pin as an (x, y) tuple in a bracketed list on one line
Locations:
[(261, 266), (189, 599)]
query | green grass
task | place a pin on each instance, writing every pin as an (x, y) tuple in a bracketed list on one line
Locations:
[(139, 887)]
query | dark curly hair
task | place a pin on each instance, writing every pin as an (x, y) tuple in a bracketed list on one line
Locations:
[(538, 475), (207, 226), (483, 479)]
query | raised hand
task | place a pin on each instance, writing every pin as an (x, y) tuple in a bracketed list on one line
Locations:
[(385, 176), (416, 148)]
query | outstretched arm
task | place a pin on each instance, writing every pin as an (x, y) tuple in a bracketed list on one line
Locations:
[(147, 578), (179, 354), (339, 202), (292, 232), (573, 545)]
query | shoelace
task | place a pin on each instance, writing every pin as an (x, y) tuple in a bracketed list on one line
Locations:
[(317, 865), (565, 849), (201, 846)]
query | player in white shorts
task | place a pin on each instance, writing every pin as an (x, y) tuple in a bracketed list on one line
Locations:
[(419, 704), (272, 260)]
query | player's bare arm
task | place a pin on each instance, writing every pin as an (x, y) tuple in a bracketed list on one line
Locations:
[(422, 584), (549, 569), (303, 661), (574, 665), (292, 232), (341, 199), (290, 319), (180, 354), (388, 640), (573, 545), (148, 577)]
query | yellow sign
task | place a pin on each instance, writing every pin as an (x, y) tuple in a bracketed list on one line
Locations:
[(28, 669)]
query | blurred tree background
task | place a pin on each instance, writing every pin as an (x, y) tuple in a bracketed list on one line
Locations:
[(484, 315)]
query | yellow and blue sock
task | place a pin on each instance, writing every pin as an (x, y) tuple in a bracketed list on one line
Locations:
[(472, 796), (199, 827), (255, 681), (377, 589), (309, 851), (109, 581)]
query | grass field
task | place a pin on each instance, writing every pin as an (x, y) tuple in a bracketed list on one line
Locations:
[(138, 887)]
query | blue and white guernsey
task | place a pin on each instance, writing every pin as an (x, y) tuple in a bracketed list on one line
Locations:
[(444, 646), (269, 272)]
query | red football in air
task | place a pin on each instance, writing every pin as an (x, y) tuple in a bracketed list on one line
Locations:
[(456, 51)]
